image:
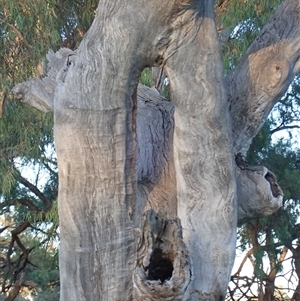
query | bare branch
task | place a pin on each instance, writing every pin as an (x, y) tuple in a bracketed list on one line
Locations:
[(286, 127), (2, 101), (29, 204), (39, 93), (24, 225), (13, 293), (47, 203), (3, 229), (250, 252)]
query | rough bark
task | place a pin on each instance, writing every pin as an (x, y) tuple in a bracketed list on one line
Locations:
[(202, 148), (258, 191), (141, 217)]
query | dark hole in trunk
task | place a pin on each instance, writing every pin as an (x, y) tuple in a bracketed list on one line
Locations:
[(160, 267), (276, 190)]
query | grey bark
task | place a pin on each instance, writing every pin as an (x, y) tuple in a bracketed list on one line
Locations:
[(264, 73), (145, 215)]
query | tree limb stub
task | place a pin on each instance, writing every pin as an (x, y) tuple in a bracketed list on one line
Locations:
[(33, 92), (39, 93), (264, 73), (258, 191)]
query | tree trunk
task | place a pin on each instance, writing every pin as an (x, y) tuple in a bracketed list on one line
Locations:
[(296, 257), (142, 218), (269, 291)]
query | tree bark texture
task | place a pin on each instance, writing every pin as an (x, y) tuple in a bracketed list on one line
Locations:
[(145, 215), (264, 73)]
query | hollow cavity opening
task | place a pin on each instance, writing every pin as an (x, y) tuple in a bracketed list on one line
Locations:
[(160, 266), (276, 190)]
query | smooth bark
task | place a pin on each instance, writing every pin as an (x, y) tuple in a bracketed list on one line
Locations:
[(264, 73)]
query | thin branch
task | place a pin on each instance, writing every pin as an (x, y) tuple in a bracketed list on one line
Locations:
[(47, 203), (15, 265), (2, 101), (29, 204), (19, 35), (9, 252), (20, 228), (48, 167), (286, 127), (3, 229), (13, 293), (250, 252)]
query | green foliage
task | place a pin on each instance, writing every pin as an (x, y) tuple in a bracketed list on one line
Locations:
[(46, 273), (286, 114), (243, 19), (28, 173), (267, 236), (42, 269), (26, 135), (29, 28), (146, 78), (281, 158)]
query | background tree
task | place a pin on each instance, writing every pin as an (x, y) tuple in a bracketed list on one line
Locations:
[(268, 239), (266, 236)]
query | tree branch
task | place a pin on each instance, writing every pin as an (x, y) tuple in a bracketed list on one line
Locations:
[(47, 203), (286, 127), (3, 229), (20, 228), (258, 191), (2, 101), (264, 73), (13, 293), (250, 252), (29, 204), (39, 93)]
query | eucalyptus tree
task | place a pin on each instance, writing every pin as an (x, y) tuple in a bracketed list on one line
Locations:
[(28, 173), (145, 215)]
